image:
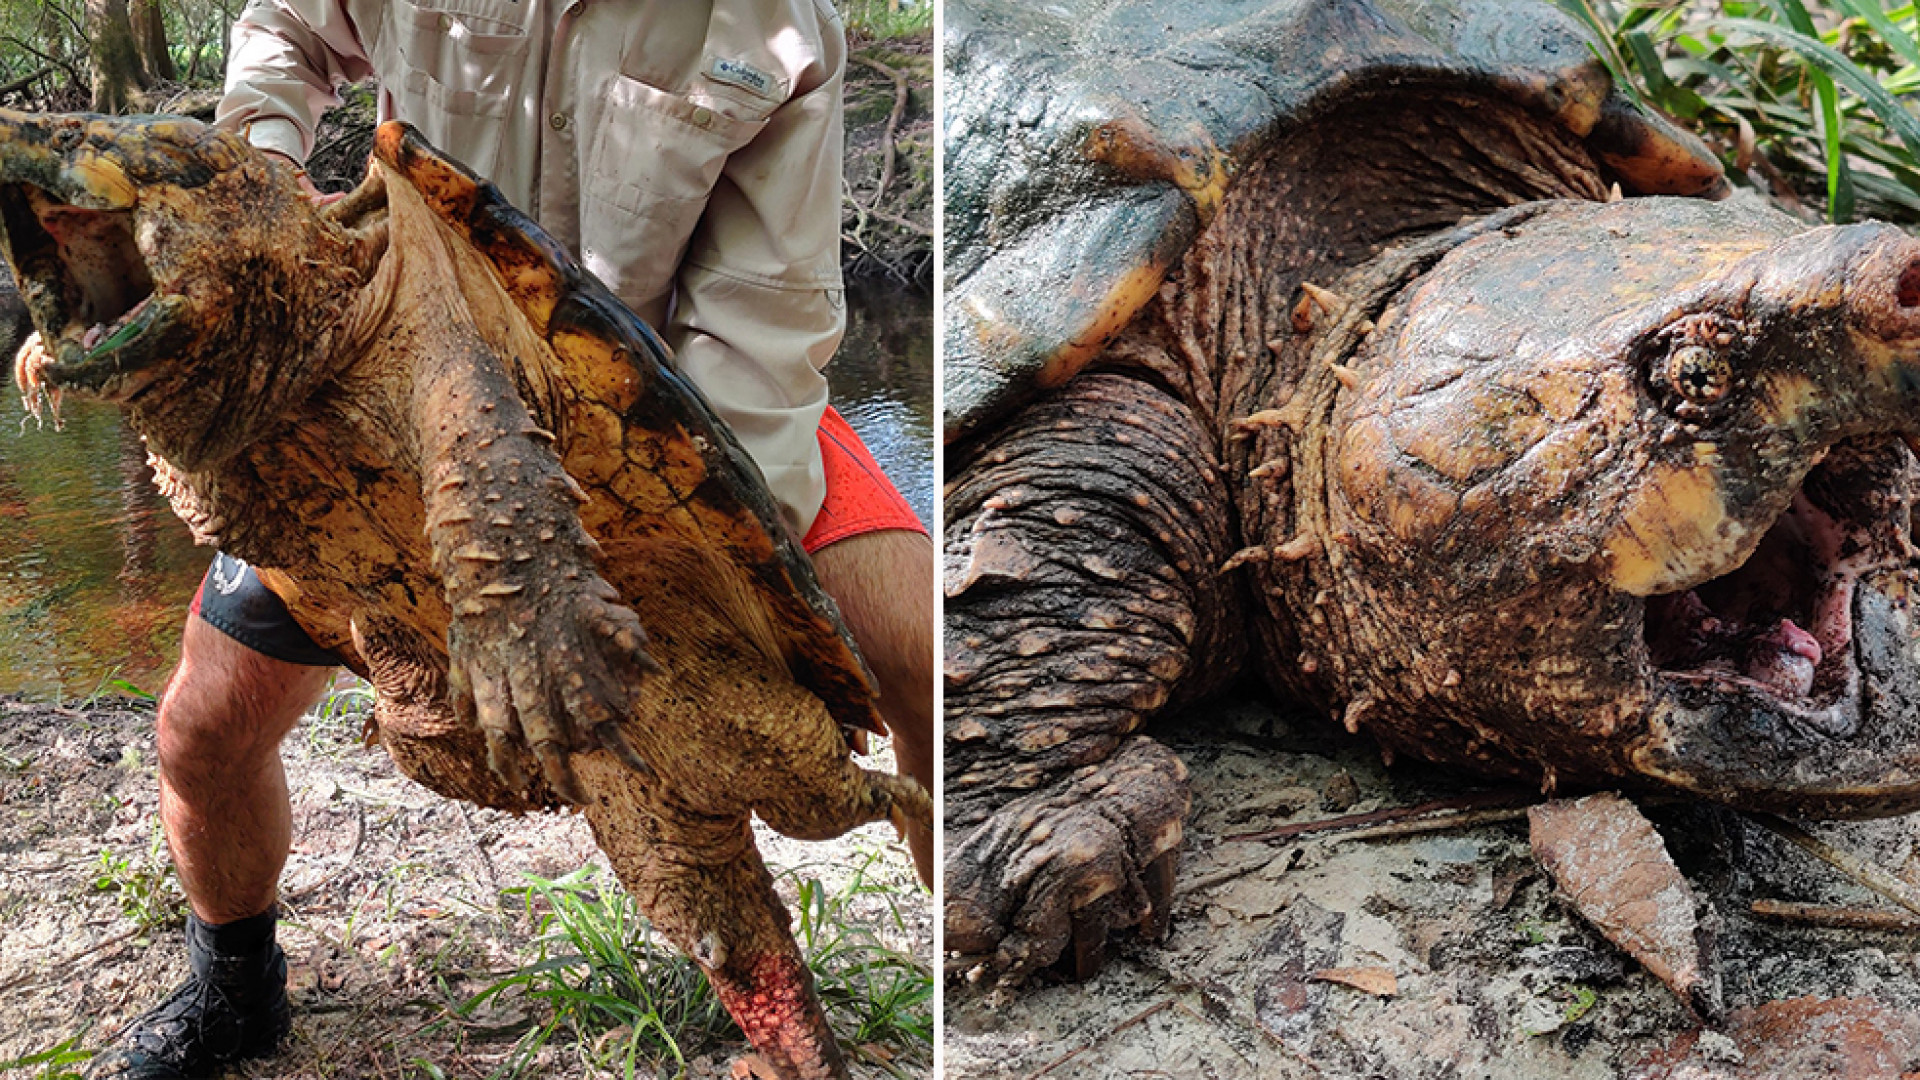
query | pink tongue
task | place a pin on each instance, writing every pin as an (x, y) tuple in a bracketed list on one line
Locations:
[(1789, 664), (1797, 641)]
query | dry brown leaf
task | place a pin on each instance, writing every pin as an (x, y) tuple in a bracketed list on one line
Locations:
[(753, 1067), (1377, 981), (1832, 1038), (1613, 867)]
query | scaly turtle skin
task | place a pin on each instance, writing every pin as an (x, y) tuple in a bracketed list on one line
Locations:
[(1316, 337), (466, 467)]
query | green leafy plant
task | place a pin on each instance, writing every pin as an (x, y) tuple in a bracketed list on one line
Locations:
[(883, 20), (54, 1063), (337, 721), (1583, 1000), (148, 890), (872, 993), (600, 969), (631, 1002), (1804, 101)]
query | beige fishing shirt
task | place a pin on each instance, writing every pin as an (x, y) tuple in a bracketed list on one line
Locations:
[(689, 152)]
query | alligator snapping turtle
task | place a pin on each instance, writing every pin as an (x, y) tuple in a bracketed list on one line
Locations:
[(465, 466), (1318, 337)]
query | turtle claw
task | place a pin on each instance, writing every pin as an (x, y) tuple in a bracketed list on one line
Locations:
[(1050, 876), (1158, 880), (557, 769), (1089, 944), (570, 695), (614, 738)]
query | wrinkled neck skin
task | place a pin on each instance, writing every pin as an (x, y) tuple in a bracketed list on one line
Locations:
[(1223, 334)]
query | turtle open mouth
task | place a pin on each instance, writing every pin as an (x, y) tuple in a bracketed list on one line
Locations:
[(1781, 626), (90, 291)]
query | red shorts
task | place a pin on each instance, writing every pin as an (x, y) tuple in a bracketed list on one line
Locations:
[(860, 498)]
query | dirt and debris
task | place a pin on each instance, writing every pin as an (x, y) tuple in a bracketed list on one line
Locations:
[(397, 904), (1494, 976)]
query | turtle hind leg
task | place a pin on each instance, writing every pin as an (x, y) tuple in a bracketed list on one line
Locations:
[(700, 880), (1084, 545)]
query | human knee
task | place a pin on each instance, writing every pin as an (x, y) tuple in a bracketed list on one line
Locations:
[(227, 705)]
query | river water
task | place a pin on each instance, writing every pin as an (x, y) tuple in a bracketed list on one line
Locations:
[(95, 572)]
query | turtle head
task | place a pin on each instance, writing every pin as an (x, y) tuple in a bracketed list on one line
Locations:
[(1660, 450), (169, 268)]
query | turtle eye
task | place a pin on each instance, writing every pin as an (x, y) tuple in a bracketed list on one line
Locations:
[(1698, 374)]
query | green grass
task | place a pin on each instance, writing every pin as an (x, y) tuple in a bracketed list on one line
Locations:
[(1810, 103), (54, 1063), (634, 1006), (883, 20), (148, 889), (338, 720)]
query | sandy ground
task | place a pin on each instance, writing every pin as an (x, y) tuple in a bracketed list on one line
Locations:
[(396, 904), (1495, 976)]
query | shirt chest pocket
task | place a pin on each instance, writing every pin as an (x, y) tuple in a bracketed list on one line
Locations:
[(653, 144), (460, 59), (655, 158)]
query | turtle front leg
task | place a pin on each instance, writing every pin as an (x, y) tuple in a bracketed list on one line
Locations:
[(1084, 546), (701, 881), (543, 652)]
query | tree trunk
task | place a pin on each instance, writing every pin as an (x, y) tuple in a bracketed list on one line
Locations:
[(117, 74), (150, 38)]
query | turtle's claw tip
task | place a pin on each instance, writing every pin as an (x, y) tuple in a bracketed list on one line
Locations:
[(613, 738), (559, 773)]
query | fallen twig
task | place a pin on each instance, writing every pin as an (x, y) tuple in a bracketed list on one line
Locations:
[(1476, 801), (65, 965), (1465, 819), (1865, 874), (1840, 918), (900, 222), (1231, 873), (1123, 1025), (25, 81)]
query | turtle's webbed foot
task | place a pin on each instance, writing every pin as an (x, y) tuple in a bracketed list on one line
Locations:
[(1070, 864), (551, 669)]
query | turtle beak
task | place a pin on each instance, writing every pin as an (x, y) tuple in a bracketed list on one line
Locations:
[(70, 192), (1786, 679)]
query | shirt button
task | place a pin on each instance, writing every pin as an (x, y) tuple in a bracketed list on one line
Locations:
[(702, 116), (559, 121), (446, 22)]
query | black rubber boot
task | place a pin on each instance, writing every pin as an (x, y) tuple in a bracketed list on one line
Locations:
[(233, 1007)]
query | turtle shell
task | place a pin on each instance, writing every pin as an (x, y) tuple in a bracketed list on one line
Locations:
[(606, 354), (1087, 144)]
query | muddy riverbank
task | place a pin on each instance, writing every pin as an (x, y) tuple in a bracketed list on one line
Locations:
[(1493, 977)]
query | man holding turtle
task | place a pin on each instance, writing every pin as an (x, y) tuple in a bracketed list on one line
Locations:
[(690, 153)]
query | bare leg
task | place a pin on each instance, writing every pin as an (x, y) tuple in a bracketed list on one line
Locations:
[(223, 792), (883, 582)]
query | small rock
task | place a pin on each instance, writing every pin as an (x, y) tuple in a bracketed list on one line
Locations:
[(1340, 792), (1715, 1046)]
